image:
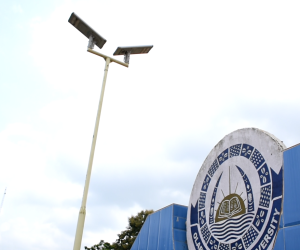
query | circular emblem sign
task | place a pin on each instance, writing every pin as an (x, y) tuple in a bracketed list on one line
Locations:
[(236, 199)]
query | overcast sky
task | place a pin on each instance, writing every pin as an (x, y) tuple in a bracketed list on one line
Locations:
[(216, 66)]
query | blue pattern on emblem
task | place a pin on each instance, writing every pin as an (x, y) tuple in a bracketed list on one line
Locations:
[(260, 218), (276, 183), (205, 232), (265, 194), (250, 237), (271, 227), (241, 171), (194, 213), (213, 168), (196, 238), (206, 183), (235, 150), (213, 200), (202, 200), (224, 246), (257, 159), (247, 150), (212, 243), (223, 156), (264, 175), (248, 189), (238, 245), (202, 217)]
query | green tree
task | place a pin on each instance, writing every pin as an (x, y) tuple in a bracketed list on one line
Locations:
[(101, 246), (127, 237)]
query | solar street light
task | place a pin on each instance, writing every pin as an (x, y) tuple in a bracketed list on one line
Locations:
[(93, 36), (96, 39), (127, 51)]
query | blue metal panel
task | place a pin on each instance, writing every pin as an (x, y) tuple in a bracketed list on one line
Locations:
[(279, 244), (292, 239), (179, 235), (291, 206), (179, 245), (135, 244), (179, 223), (154, 230), (179, 227), (165, 232), (143, 235), (180, 211), (281, 220)]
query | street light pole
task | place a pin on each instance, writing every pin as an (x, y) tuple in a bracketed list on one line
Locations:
[(99, 41), (82, 212)]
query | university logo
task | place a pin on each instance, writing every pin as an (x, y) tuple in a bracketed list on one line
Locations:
[(236, 199)]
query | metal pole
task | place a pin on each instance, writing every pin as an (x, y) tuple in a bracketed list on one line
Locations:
[(82, 212)]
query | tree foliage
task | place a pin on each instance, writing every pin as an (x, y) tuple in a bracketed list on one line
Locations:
[(101, 246), (127, 237)]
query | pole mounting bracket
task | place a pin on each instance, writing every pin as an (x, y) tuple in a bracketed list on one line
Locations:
[(127, 56), (91, 43)]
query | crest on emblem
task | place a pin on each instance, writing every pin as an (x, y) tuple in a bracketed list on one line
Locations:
[(235, 203)]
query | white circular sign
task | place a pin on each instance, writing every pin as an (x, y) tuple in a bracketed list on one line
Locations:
[(236, 200)]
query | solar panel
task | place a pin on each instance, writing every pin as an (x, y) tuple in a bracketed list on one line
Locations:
[(86, 30), (133, 50)]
